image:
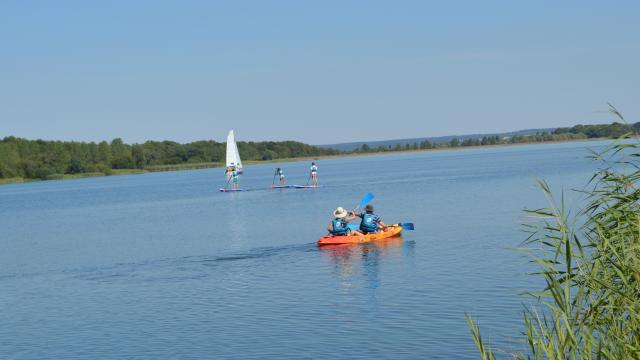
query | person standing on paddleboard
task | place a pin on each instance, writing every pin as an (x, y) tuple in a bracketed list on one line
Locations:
[(280, 173), (235, 179), (371, 223), (338, 226), (314, 173)]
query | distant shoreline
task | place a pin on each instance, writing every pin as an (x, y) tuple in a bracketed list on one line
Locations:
[(211, 165)]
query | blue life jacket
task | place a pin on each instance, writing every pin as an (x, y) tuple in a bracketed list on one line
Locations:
[(369, 223), (339, 227)]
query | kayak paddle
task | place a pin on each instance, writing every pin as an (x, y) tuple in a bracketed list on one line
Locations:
[(364, 201), (407, 226)]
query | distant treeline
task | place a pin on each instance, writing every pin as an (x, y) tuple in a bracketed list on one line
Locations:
[(577, 132), (40, 159)]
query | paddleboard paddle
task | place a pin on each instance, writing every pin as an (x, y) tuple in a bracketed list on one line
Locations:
[(227, 184)]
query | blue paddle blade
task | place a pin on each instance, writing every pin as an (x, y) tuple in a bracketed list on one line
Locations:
[(366, 199), (407, 226)]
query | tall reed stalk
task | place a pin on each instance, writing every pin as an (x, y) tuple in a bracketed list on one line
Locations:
[(590, 307)]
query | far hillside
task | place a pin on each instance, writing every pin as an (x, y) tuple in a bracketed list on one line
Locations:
[(578, 132), (591, 131), (351, 146)]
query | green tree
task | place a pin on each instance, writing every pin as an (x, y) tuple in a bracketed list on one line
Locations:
[(104, 153), (426, 145), (9, 161), (268, 155), (120, 155), (138, 156)]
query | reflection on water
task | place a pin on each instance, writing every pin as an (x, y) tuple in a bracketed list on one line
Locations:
[(355, 262), (235, 217)]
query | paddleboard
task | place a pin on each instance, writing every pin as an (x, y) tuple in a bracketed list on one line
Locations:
[(231, 190), (306, 186), (283, 186)]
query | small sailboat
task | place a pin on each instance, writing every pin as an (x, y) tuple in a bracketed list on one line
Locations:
[(234, 165), (233, 156)]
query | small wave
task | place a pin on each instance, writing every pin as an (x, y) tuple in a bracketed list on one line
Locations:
[(182, 264)]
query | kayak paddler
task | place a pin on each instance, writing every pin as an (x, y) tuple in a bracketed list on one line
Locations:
[(371, 223), (338, 226)]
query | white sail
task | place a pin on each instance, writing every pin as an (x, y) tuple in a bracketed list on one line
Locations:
[(233, 156)]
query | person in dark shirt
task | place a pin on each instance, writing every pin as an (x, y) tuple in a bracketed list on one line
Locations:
[(371, 223)]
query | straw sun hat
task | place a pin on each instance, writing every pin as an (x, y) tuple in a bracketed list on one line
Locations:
[(340, 212)]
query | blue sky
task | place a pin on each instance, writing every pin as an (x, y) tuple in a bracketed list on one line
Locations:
[(318, 72)]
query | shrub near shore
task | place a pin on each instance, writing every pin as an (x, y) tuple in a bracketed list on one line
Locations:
[(590, 307), (45, 160)]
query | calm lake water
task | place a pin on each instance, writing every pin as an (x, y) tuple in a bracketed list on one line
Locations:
[(164, 266)]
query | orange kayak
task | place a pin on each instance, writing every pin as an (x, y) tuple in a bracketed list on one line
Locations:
[(391, 231)]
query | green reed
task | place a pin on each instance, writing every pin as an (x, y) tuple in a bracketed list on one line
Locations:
[(590, 306)]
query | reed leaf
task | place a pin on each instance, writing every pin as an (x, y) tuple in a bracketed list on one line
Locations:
[(590, 305)]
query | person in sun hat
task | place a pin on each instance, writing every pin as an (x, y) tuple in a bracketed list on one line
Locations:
[(371, 222), (338, 226)]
